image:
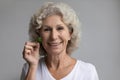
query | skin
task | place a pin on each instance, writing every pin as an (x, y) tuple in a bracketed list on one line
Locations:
[(55, 36)]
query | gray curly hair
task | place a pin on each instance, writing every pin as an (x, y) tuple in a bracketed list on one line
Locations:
[(68, 16)]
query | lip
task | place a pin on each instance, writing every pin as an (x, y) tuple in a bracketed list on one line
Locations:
[(54, 43)]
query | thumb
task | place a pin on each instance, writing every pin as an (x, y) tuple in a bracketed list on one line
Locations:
[(37, 46)]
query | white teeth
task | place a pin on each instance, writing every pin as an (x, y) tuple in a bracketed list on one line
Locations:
[(54, 44)]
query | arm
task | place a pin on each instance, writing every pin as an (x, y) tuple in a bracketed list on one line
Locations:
[(31, 74), (31, 55)]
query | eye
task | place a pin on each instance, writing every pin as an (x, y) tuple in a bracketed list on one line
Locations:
[(47, 29), (60, 28)]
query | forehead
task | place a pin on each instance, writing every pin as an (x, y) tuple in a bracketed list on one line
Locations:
[(53, 20)]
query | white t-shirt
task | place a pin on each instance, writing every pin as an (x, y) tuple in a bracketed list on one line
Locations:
[(81, 71)]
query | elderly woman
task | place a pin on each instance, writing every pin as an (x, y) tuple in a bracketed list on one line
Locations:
[(58, 27)]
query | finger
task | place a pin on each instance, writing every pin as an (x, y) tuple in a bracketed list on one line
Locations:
[(37, 46), (28, 48), (27, 53), (33, 44)]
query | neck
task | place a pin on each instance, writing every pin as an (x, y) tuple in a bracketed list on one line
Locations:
[(58, 61)]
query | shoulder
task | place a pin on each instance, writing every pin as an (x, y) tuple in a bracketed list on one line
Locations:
[(85, 66), (85, 71)]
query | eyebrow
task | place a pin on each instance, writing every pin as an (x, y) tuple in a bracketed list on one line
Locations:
[(50, 26)]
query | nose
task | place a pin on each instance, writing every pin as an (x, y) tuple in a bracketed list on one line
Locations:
[(54, 34)]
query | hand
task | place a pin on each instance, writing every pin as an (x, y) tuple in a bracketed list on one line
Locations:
[(31, 52)]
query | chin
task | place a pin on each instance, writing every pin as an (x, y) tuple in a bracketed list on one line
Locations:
[(54, 52)]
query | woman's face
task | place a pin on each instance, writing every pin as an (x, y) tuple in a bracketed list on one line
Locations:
[(55, 35)]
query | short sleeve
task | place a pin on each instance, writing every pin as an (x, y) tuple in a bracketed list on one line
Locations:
[(24, 71), (94, 75)]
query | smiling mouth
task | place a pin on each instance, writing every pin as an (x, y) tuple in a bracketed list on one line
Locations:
[(54, 44)]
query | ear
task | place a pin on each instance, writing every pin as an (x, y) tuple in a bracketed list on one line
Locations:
[(70, 35)]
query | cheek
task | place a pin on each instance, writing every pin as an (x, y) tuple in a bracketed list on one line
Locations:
[(66, 36), (44, 38), (44, 41)]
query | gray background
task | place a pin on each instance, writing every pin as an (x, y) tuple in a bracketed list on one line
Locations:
[(99, 43)]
